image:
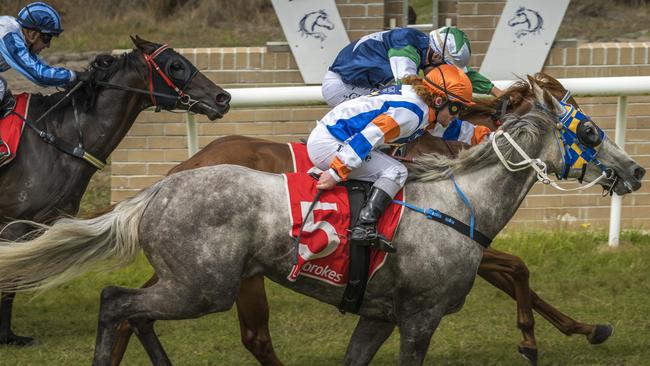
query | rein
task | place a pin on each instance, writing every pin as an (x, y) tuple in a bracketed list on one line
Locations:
[(64, 146)]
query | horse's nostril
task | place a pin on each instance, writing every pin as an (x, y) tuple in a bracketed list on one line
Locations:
[(639, 173), (223, 98)]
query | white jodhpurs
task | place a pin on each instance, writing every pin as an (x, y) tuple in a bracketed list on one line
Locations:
[(335, 91), (387, 173)]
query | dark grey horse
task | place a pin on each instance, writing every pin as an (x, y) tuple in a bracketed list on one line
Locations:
[(204, 230), (42, 182)]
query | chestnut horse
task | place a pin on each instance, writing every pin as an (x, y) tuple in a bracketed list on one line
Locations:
[(504, 271)]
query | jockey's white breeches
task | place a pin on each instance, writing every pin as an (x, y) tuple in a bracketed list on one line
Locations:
[(335, 91), (387, 173)]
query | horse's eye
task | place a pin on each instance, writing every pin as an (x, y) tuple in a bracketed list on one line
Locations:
[(177, 65)]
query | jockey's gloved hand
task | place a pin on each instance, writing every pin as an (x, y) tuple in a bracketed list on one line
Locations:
[(82, 76)]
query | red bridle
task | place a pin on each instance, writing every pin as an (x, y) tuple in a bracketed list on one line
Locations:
[(151, 63)]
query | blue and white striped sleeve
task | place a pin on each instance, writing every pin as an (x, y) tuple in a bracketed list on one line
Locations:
[(17, 55)]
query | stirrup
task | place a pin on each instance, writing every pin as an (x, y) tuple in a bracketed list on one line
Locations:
[(364, 235), (368, 236)]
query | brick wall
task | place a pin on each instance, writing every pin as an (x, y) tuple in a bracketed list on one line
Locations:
[(157, 140), (361, 17)]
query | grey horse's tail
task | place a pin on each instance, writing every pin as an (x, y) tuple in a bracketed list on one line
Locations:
[(71, 247)]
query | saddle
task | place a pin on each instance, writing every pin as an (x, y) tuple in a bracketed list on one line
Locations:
[(11, 129)]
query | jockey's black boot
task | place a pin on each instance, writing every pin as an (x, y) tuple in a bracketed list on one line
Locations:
[(365, 232), (7, 104)]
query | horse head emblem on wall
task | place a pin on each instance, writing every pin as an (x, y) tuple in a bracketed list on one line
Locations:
[(526, 21), (313, 24)]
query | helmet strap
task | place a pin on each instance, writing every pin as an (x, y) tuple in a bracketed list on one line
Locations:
[(31, 35)]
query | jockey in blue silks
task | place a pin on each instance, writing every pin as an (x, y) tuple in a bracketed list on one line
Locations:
[(383, 58), (22, 39)]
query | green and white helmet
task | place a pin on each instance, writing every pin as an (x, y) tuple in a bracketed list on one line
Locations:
[(457, 51)]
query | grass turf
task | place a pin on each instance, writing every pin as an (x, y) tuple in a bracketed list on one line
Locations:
[(574, 271)]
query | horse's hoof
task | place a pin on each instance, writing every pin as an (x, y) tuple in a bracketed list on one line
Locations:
[(600, 334), (16, 340), (530, 354)]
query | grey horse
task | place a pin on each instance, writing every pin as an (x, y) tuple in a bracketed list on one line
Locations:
[(204, 230)]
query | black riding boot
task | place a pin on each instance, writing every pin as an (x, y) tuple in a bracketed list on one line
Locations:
[(365, 232), (7, 104)]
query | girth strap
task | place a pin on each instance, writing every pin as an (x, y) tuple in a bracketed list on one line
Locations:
[(359, 263)]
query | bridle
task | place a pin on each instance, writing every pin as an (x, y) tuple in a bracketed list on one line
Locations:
[(163, 92), (576, 153)]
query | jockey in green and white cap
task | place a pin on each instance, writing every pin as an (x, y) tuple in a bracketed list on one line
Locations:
[(457, 51)]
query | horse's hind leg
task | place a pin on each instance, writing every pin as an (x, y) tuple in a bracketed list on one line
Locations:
[(253, 313), (368, 336), (163, 301), (125, 330), (147, 335)]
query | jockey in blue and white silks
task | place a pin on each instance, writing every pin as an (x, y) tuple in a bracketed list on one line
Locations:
[(382, 58), (21, 40), (345, 141)]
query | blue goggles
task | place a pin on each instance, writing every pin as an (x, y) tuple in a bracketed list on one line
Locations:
[(580, 138)]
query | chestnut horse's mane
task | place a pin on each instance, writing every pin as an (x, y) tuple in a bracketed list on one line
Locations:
[(516, 94)]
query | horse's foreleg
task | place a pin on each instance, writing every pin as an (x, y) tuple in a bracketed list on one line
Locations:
[(595, 333), (253, 313), (124, 332), (510, 274), (7, 336), (415, 335), (368, 336)]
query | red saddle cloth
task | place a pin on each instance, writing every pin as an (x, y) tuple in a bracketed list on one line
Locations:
[(11, 128), (301, 162), (323, 250)]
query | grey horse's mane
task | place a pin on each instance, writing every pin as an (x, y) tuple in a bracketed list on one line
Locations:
[(526, 130)]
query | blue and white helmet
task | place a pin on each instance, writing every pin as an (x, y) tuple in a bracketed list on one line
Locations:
[(41, 17), (457, 49)]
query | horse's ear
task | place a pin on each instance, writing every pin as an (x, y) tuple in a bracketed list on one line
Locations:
[(143, 45), (552, 103), (537, 91), (531, 80)]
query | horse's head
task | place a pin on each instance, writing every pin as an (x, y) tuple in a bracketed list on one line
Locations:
[(519, 18), (322, 20), (310, 22), (175, 82), (582, 150)]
